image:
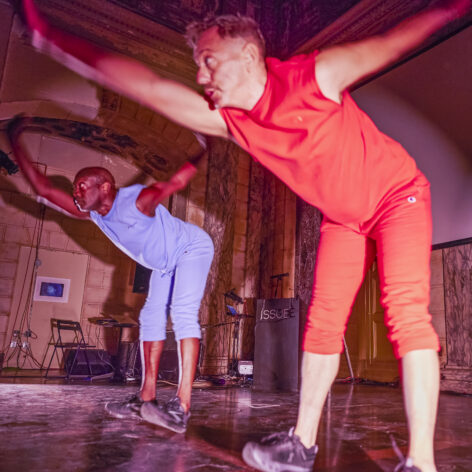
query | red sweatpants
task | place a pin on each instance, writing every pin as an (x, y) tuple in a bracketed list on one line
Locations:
[(400, 234)]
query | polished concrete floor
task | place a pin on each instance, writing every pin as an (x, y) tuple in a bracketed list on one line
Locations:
[(48, 426)]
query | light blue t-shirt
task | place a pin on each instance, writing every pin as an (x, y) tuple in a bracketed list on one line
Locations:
[(155, 242)]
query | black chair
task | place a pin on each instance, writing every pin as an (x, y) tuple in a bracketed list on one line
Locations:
[(67, 336)]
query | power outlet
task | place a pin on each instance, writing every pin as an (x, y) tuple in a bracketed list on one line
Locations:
[(245, 367)]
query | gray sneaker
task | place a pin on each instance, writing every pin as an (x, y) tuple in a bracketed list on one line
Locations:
[(280, 452), (170, 415), (127, 409)]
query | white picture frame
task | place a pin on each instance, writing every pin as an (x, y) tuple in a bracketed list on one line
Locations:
[(51, 289)]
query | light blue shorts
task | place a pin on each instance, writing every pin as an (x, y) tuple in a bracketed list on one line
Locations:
[(178, 294)]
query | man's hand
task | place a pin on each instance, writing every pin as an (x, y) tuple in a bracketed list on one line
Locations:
[(177, 182), (162, 190), (151, 196)]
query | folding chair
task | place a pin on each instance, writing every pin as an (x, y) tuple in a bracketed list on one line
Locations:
[(67, 335)]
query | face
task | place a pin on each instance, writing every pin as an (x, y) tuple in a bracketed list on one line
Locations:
[(222, 69), (87, 195)]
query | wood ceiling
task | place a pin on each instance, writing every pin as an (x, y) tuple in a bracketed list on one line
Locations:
[(152, 32)]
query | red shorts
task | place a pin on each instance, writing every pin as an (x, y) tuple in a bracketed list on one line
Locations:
[(400, 234)]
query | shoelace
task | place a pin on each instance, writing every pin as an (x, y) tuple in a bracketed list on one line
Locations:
[(277, 438), (174, 408), (174, 403)]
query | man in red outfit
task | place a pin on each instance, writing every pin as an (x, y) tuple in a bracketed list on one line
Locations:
[(297, 118)]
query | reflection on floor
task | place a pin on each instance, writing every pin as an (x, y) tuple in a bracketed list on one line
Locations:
[(48, 426)]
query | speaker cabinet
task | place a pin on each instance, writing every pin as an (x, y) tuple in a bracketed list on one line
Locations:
[(128, 362), (100, 362), (276, 345), (142, 276)]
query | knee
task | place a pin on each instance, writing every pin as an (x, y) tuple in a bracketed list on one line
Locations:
[(322, 342), (412, 332), (152, 327), (186, 328), (324, 331)]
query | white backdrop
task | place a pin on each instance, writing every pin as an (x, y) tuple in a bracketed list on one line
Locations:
[(426, 105)]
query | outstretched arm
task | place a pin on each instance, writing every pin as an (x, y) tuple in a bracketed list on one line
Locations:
[(339, 67), (151, 196), (40, 183), (125, 75)]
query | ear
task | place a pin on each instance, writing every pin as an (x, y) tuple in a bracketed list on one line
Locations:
[(106, 187), (251, 54)]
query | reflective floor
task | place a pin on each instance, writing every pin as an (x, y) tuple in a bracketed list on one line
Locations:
[(63, 427)]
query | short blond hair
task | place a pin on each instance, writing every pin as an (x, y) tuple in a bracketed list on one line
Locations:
[(233, 26)]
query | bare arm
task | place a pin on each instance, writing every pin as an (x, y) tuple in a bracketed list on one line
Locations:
[(40, 183), (339, 67), (151, 196), (126, 76)]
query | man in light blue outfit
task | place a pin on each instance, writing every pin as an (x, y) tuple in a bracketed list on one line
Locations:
[(178, 253)]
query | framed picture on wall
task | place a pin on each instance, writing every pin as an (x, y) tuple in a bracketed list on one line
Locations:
[(51, 289)]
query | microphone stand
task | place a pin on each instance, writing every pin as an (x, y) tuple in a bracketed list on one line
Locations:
[(234, 343), (279, 278)]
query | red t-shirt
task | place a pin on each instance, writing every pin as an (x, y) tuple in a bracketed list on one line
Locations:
[(331, 155)]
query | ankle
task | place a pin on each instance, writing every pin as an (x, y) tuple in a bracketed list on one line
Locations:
[(184, 396), (423, 460), (425, 466), (185, 405), (147, 396), (305, 439)]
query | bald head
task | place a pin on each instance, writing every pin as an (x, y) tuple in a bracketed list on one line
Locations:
[(99, 174), (94, 190)]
